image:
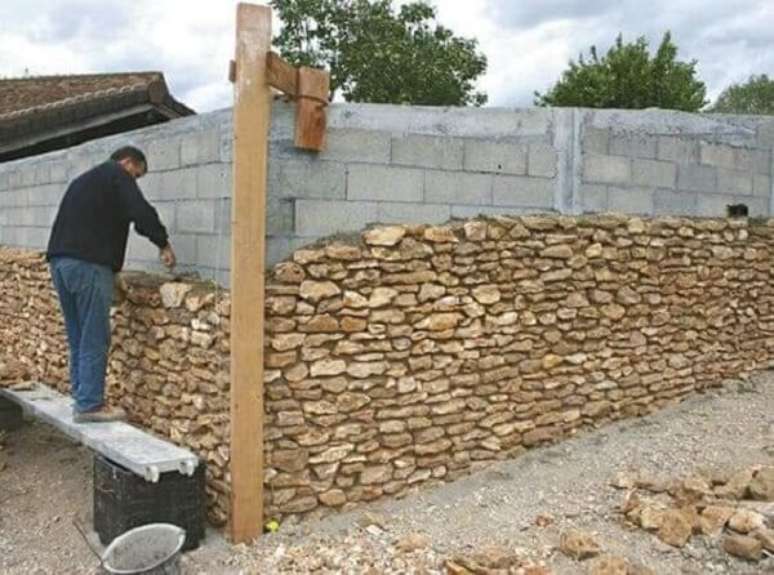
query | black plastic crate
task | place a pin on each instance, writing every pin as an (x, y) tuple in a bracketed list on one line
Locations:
[(124, 500), (11, 416)]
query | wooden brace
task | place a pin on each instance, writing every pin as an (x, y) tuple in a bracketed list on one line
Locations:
[(310, 88)]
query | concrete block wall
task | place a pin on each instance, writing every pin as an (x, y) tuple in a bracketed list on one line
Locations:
[(673, 163), (415, 165), (399, 164)]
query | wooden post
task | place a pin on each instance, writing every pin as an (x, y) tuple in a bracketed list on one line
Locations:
[(252, 115)]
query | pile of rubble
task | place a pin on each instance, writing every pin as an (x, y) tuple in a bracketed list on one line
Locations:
[(736, 510)]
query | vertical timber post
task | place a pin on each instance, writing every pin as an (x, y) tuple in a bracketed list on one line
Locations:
[(252, 115)]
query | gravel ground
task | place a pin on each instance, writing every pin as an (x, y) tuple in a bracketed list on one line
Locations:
[(517, 508)]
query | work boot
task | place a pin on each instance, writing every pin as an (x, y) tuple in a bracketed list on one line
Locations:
[(100, 415)]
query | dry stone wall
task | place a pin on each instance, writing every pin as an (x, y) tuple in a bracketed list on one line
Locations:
[(421, 353), (409, 355)]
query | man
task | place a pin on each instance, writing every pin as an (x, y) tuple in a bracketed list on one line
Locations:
[(86, 249)]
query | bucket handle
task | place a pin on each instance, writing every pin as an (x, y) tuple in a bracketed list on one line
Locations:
[(88, 543)]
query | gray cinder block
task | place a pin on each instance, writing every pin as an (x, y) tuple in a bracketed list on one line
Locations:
[(384, 183)]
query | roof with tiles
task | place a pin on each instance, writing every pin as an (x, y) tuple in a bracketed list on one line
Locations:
[(19, 94), (33, 108)]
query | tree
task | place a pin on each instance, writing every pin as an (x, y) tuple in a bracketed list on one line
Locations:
[(756, 96), (627, 77), (377, 55)]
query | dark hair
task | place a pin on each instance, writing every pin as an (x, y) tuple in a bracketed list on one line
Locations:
[(130, 152)]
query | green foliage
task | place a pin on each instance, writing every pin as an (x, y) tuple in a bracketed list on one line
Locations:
[(756, 96), (375, 54), (628, 77)]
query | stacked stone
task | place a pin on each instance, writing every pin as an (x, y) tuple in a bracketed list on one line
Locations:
[(32, 344), (169, 368), (168, 360), (420, 353)]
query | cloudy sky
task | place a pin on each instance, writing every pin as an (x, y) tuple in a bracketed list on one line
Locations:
[(528, 42)]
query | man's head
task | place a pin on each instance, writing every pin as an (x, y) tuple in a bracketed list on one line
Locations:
[(132, 160)]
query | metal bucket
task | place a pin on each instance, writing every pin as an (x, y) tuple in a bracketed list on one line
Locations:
[(152, 549)]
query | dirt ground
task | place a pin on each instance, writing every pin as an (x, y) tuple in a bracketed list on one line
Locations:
[(520, 506)]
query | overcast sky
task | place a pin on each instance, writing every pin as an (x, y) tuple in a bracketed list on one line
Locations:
[(528, 42)]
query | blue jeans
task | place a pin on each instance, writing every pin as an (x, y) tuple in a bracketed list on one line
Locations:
[(85, 294)]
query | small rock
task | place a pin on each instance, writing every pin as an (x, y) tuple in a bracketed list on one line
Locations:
[(333, 498), (743, 546), (315, 291), (762, 485), (325, 367), (676, 527), (544, 520), (559, 252), (651, 518), (454, 568), (639, 569), (691, 490), (289, 272), (304, 257), (613, 311), (371, 519), (440, 321), (492, 557), (475, 230), (384, 236), (609, 565), (173, 293), (578, 545), (381, 296), (487, 294), (745, 521), (631, 503), (623, 480), (737, 486), (535, 570), (376, 474), (766, 537), (413, 542), (440, 234), (653, 484), (341, 251), (713, 519)]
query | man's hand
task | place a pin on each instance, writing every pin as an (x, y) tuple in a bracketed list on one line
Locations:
[(167, 256)]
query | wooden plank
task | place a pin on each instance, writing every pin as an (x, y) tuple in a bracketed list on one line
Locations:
[(282, 75), (252, 115), (313, 88), (140, 452)]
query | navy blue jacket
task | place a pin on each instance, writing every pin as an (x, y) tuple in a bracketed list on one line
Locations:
[(92, 223)]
